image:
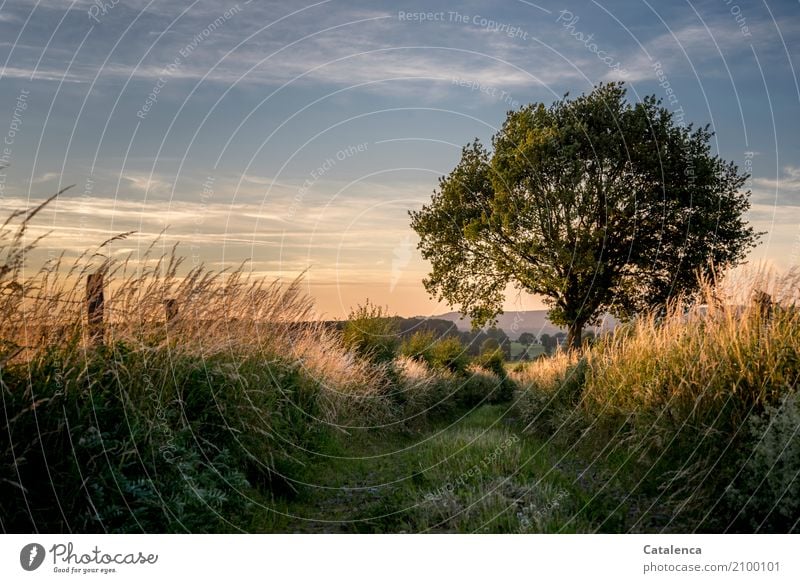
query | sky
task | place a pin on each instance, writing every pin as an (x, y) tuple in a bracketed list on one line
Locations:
[(297, 136)]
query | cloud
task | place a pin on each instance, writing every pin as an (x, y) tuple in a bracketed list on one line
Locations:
[(781, 190), (40, 74), (341, 48), (46, 177), (331, 238), (147, 183)]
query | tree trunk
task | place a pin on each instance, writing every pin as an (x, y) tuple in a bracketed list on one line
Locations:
[(574, 333)]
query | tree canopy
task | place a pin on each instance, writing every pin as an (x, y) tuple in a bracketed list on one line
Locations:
[(527, 338), (595, 203)]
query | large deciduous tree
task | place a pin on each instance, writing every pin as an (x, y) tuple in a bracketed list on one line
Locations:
[(595, 203)]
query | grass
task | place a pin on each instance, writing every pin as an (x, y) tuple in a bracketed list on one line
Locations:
[(193, 423), (164, 426), (696, 409), (472, 474), (240, 415)]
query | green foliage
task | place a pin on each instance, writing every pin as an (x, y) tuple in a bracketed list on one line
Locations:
[(701, 413), (595, 203), (527, 338), (493, 361), (146, 441), (527, 352), (549, 343), (765, 496), (479, 387), (449, 354), (490, 346), (419, 345), (440, 353), (371, 332), (549, 392)]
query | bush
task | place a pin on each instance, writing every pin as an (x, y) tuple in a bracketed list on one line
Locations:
[(679, 395), (492, 360), (418, 346), (371, 332), (131, 444), (706, 372), (478, 388), (428, 391), (449, 354), (548, 391), (440, 353), (765, 496)]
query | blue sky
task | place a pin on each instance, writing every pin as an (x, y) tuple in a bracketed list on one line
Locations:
[(299, 135)]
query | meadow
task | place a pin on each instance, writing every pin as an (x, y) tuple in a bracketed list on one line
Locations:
[(236, 413)]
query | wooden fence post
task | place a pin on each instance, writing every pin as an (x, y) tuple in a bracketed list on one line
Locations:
[(763, 304), (171, 309), (94, 307)]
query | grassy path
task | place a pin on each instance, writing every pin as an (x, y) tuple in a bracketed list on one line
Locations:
[(474, 474)]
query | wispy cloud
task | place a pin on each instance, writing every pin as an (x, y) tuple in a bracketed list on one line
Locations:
[(781, 190), (42, 74), (146, 183), (46, 177)]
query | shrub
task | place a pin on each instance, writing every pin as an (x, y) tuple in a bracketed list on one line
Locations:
[(490, 345), (547, 391), (418, 346), (449, 354), (478, 388), (115, 462), (765, 497), (371, 332), (163, 426), (142, 440), (492, 360), (446, 353), (684, 395), (705, 371), (428, 391)]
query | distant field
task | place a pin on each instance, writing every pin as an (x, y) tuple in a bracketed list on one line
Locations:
[(518, 349)]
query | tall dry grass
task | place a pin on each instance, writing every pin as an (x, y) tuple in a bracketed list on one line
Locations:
[(702, 396), (727, 358), (166, 425), (219, 312)]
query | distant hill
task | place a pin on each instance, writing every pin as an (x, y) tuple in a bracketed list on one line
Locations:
[(515, 323)]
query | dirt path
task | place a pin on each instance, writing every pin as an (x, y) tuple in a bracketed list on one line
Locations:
[(473, 474)]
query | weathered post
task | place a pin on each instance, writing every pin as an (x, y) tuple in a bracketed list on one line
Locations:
[(95, 307), (171, 310), (763, 305)]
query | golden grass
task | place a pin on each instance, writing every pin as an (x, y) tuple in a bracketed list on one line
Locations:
[(712, 363), (544, 374), (222, 313), (731, 355)]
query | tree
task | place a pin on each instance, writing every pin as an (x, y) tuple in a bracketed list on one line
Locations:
[(490, 345), (503, 341), (548, 342), (526, 338), (596, 204)]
